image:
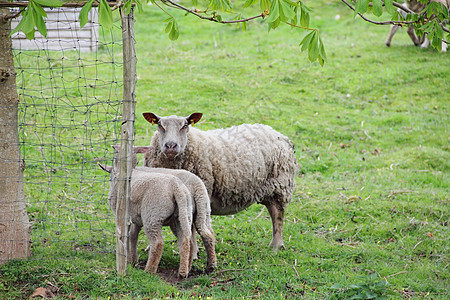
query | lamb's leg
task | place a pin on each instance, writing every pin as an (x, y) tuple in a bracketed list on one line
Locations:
[(413, 36), (132, 256), (184, 248), (209, 241), (391, 33), (156, 248), (194, 243), (277, 214), (185, 255), (425, 43)]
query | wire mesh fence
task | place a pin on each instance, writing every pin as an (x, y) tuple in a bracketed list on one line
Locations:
[(69, 116)]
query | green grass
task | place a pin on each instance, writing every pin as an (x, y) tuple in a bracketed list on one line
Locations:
[(370, 212)]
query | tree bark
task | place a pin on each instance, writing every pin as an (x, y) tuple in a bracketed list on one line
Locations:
[(15, 227)]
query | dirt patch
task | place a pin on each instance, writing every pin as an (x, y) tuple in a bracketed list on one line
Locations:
[(170, 274)]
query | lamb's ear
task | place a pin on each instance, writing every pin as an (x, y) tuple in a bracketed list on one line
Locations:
[(142, 149), (116, 147), (194, 118), (151, 118), (105, 167)]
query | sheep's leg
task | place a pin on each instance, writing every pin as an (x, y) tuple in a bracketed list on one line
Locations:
[(132, 256), (277, 214), (156, 248)]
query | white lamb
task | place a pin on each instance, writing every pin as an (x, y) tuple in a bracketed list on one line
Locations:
[(201, 207), (240, 165), (156, 200), (417, 7)]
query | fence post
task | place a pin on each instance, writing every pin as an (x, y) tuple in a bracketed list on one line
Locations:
[(126, 145)]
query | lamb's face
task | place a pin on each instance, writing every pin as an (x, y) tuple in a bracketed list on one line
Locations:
[(172, 132)]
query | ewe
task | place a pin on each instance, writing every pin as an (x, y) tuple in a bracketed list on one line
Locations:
[(239, 166)]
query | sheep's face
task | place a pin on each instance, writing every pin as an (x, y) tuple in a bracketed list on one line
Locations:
[(172, 132)]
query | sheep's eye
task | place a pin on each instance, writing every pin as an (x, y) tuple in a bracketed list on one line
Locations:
[(185, 126), (161, 128)]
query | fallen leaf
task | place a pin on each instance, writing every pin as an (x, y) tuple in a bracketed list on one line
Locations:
[(39, 292)]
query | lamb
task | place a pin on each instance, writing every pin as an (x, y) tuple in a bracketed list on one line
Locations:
[(239, 166), (417, 7), (201, 207), (156, 200)]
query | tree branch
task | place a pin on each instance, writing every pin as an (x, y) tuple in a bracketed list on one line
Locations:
[(212, 18), (376, 22), (12, 16), (402, 7)]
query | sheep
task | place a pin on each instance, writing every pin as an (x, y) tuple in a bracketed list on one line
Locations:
[(201, 207), (417, 7), (239, 166), (156, 200)]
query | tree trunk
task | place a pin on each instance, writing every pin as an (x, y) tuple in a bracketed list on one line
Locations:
[(14, 224)]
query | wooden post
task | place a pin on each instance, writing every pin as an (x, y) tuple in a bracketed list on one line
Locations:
[(126, 145)]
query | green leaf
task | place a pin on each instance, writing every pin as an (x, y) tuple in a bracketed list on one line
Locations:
[(84, 13), (263, 5), (388, 4), (50, 3), (304, 19), (29, 22), (322, 52), (274, 12), (105, 15), (249, 3), (307, 40), (321, 61), (377, 7), (39, 20), (313, 50), (38, 8), (286, 10), (439, 30), (224, 5), (139, 6), (20, 25), (361, 6)]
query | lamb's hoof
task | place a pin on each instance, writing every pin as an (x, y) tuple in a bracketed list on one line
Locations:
[(182, 275), (388, 44)]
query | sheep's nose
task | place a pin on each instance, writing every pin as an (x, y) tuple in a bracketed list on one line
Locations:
[(171, 145)]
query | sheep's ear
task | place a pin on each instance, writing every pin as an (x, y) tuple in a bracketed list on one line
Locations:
[(151, 118), (105, 167), (142, 149), (194, 118), (116, 147)]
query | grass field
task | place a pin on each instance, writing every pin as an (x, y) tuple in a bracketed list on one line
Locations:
[(370, 213)]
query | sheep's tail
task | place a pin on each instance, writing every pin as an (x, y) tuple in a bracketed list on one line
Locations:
[(183, 200)]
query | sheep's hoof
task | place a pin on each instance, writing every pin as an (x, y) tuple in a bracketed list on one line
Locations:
[(183, 275), (210, 269), (388, 44)]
